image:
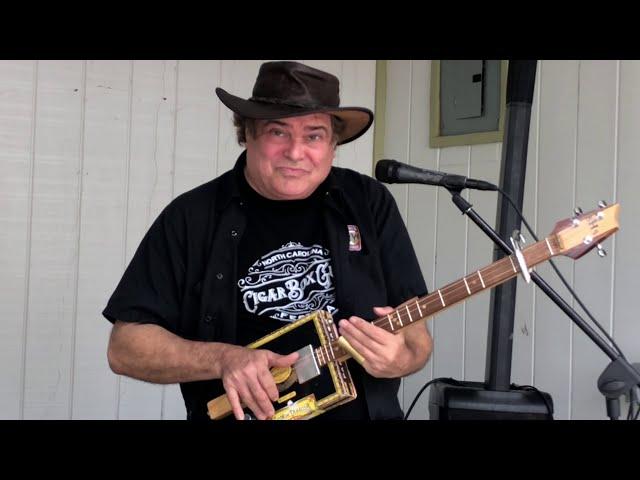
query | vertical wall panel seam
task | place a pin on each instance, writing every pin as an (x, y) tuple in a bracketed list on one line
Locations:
[(409, 112), (406, 197), (435, 257), (127, 192), (615, 195), (464, 272), (74, 316), (173, 183), (175, 132), (535, 219), (27, 265), (155, 145), (573, 264)]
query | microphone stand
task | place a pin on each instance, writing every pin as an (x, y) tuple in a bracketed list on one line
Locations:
[(620, 376)]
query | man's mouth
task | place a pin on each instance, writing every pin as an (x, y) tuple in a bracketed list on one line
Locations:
[(292, 172)]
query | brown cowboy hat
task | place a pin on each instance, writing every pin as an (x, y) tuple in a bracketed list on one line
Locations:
[(291, 89)]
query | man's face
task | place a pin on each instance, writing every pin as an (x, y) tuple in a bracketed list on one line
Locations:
[(290, 157)]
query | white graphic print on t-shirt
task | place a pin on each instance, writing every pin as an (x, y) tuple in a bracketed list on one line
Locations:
[(289, 283)]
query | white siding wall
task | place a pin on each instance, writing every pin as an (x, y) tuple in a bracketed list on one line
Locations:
[(90, 152), (583, 146)]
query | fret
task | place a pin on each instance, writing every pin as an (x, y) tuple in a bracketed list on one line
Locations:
[(399, 319), (466, 285), (409, 313), (329, 348), (481, 280), (317, 358), (515, 270), (390, 322), (419, 311), (441, 299), (549, 246)]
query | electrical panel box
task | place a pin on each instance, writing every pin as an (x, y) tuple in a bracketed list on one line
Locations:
[(467, 101)]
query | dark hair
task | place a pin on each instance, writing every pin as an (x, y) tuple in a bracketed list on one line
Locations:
[(243, 124)]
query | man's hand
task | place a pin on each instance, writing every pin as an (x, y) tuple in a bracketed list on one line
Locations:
[(386, 354), (247, 379)]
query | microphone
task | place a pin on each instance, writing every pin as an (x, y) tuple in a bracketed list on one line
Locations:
[(391, 171)]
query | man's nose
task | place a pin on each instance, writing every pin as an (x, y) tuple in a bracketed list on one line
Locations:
[(295, 151)]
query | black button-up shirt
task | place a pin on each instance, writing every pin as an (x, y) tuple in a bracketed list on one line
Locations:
[(183, 275)]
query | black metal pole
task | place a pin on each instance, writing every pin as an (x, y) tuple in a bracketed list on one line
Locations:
[(520, 85)]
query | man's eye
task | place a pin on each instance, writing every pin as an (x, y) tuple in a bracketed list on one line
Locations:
[(277, 132)]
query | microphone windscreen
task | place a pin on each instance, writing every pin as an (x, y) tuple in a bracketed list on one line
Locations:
[(385, 170)]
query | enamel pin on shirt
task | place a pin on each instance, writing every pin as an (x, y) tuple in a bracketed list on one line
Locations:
[(355, 241)]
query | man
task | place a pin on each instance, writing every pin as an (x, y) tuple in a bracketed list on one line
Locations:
[(281, 235)]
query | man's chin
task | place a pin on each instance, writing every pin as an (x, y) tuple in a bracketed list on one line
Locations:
[(294, 193)]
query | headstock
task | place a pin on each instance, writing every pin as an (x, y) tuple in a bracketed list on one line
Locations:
[(577, 235)]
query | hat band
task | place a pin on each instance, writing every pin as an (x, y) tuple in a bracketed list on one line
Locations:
[(288, 102)]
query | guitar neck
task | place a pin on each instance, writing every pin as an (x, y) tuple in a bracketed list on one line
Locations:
[(424, 307)]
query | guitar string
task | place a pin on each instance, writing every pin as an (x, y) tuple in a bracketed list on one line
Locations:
[(490, 275), (537, 253)]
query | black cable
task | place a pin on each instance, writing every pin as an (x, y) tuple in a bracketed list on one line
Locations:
[(450, 381), (532, 388), (566, 284)]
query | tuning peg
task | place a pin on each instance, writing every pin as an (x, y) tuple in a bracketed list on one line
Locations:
[(577, 211), (602, 204), (601, 251)]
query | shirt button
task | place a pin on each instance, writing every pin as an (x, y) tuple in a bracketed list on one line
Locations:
[(234, 233), (208, 318), (219, 276)]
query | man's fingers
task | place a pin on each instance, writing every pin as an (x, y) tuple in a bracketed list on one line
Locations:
[(365, 332), (268, 384), (382, 310), (261, 400), (358, 340), (232, 395), (248, 398)]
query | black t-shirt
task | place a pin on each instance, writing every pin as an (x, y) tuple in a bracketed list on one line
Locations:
[(285, 274), (183, 275)]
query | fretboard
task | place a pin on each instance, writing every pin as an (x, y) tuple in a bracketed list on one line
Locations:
[(424, 307)]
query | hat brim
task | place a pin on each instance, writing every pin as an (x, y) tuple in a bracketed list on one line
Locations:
[(357, 120)]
